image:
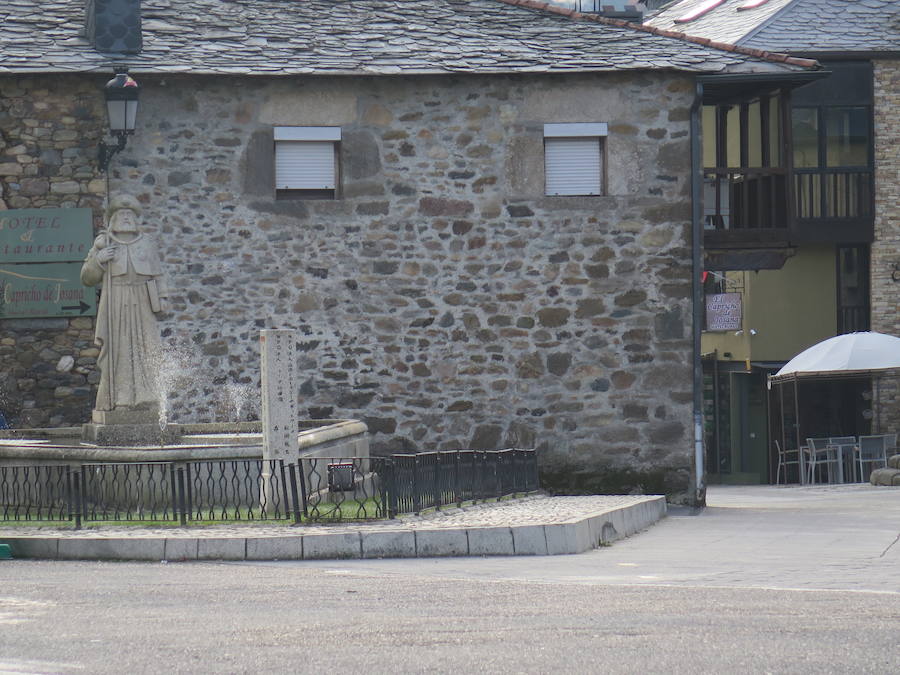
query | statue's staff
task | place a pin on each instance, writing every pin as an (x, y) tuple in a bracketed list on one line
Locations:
[(107, 297)]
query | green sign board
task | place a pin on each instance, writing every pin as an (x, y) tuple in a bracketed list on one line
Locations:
[(44, 290), (45, 235)]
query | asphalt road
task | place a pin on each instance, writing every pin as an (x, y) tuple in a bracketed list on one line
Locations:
[(803, 581)]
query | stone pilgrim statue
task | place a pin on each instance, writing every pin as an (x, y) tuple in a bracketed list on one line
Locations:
[(127, 264)]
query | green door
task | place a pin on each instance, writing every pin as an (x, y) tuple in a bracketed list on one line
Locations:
[(748, 430)]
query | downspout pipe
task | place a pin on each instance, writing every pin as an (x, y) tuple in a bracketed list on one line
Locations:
[(699, 496)]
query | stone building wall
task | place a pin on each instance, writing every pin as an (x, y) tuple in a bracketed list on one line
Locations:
[(48, 140), (885, 276), (442, 298)]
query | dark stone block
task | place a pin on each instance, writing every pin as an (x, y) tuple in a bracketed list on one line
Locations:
[(632, 411), (374, 209), (436, 206), (384, 267), (665, 433), (380, 425), (530, 366), (403, 190), (179, 178), (360, 156), (519, 211), (486, 437), (355, 399), (559, 363), (553, 317), (597, 271), (461, 227), (321, 412), (589, 307), (460, 406), (461, 175), (630, 298), (525, 322), (600, 384), (669, 325)]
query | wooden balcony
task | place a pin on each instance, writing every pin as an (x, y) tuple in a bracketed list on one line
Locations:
[(773, 208), (833, 205), (745, 207)]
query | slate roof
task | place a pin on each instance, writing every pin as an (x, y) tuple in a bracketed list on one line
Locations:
[(286, 37), (793, 26)]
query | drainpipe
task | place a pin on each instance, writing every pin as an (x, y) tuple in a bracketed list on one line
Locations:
[(697, 292)]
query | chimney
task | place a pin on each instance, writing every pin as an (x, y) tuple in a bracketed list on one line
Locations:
[(114, 25)]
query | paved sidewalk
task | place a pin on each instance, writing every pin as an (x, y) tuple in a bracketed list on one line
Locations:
[(536, 525)]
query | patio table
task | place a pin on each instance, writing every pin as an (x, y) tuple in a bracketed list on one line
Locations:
[(844, 448)]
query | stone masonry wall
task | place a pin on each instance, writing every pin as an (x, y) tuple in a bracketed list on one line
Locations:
[(48, 139), (885, 276), (442, 298)]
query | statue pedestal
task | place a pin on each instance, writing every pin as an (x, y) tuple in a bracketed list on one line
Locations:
[(128, 426)]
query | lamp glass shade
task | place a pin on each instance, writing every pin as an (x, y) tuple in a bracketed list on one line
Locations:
[(122, 115), (122, 94)]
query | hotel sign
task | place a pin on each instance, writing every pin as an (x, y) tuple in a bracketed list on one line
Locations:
[(41, 252), (45, 235)]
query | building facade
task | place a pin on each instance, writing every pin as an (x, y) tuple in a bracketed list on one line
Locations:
[(830, 264), (489, 251)]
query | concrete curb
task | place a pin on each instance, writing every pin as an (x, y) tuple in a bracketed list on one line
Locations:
[(576, 535)]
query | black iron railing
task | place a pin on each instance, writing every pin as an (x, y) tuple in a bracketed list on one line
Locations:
[(434, 479), (308, 490)]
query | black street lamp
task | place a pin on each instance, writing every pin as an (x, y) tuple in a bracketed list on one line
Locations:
[(121, 94)]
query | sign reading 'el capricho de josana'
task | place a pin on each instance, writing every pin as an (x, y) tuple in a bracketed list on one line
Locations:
[(40, 263)]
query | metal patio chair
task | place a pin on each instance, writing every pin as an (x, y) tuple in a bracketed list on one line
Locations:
[(820, 452), (784, 461), (872, 452)]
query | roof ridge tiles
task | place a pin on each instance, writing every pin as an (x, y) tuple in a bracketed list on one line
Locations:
[(723, 46)]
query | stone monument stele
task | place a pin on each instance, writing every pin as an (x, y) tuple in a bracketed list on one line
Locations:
[(280, 421), (127, 264)]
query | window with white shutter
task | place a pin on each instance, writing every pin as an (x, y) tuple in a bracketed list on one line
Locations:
[(573, 158), (306, 162)]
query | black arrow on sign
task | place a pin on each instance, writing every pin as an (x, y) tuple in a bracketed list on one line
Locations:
[(82, 305)]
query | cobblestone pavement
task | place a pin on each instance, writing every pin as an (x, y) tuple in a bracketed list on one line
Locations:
[(531, 510)]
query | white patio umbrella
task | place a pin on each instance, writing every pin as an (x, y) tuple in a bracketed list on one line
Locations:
[(850, 353)]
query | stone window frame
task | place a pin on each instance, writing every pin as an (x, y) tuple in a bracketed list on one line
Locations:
[(313, 136), (572, 139)]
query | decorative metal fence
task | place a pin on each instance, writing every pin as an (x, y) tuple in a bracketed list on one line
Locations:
[(310, 490), (434, 479)]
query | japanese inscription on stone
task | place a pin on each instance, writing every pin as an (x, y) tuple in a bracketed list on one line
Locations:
[(279, 394)]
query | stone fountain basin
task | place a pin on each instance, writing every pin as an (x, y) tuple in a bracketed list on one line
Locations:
[(210, 441)]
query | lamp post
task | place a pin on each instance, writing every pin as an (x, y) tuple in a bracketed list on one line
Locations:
[(121, 95)]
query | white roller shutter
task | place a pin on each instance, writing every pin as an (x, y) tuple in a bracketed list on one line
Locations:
[(572, 166), (304, 165)]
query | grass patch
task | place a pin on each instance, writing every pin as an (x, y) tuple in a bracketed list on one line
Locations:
[(319, 513)]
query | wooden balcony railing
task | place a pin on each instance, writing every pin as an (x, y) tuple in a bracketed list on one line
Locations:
[(744, 206), (830, 194)]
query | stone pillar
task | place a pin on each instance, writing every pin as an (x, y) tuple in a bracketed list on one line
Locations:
[(279, 394), (885, 274)]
